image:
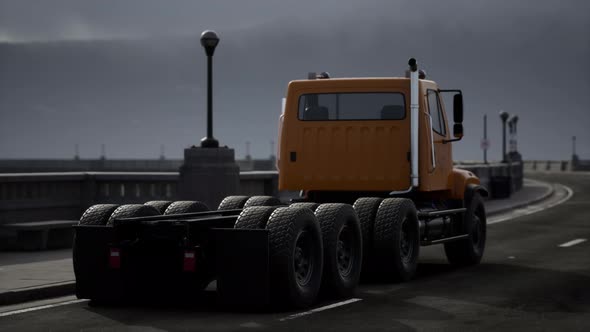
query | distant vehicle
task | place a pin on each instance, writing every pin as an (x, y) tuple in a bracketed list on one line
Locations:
[(373, 161)]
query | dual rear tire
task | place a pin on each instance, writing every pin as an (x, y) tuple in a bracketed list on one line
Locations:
[(309, 252), (396, 239)]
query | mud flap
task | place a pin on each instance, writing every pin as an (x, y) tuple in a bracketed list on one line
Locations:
[(90, 256), (242, 267)]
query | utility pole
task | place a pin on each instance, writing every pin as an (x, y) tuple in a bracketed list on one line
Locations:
[(162, 152), (272, 149)]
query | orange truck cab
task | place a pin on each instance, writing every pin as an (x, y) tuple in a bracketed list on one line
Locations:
[(369, 135)]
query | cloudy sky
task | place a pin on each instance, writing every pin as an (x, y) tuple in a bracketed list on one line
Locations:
[(130, 74)]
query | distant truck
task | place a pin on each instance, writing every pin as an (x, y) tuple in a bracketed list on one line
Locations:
[(373, 162)]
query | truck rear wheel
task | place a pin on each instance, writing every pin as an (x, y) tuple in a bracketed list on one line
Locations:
[(470, 251), (254, 217), (342, 242), (98, 214), (308, 205), (262, 201), (132, 211), (161, 206), (233, 202), (397, 239), (179, 207), (296, 257), (366, 209)]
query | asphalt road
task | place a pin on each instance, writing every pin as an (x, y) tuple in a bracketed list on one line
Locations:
[(533, 277)]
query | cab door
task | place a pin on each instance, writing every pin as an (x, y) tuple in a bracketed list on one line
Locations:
[(442, 165)]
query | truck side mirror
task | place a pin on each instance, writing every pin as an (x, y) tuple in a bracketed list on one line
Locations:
[(458, 130), (458, 109)]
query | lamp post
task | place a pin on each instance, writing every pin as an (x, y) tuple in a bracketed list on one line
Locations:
[(504, 116), (514, 121), (209, 41), (573, 146)]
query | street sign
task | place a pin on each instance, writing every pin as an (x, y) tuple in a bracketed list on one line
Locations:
[(485, 144)]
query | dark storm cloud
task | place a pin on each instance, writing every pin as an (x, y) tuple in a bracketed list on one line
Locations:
[(25, 20), (526, 57)]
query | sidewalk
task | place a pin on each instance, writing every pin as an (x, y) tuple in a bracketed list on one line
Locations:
[(27, 276)]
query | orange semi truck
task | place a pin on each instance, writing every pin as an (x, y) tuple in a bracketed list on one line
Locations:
[(372, 158)]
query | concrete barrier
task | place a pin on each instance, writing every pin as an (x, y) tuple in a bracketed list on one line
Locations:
[(29, 197), (501, 179), (574, 165)]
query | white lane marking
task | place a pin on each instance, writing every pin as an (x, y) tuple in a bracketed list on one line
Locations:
[(532, 209), (48, 306), (331, 306), (572, 243)]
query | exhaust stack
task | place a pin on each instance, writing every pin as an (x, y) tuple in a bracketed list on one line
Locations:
[(414, 112)]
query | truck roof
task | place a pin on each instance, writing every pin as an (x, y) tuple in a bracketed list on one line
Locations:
[(354, 82)]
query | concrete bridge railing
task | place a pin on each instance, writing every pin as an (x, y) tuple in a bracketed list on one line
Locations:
[(26, 197), (575, 165)]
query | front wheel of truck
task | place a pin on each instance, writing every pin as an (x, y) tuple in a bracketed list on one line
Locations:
[(470, 250), (296, 257)]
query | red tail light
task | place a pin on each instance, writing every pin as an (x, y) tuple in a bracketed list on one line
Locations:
[(189, 261), (115, 258)]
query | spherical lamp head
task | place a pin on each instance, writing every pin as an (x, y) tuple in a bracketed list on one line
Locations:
[(504, 116), (209, 41)]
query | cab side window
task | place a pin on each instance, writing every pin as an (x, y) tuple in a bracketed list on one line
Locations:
[(438, 121)]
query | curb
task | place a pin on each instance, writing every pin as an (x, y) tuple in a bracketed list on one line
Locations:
[(531, 201), (37, 293)]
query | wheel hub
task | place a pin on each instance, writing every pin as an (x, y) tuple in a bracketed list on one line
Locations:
[(303, 259), (406, 245), (345, 251), (477, 231)]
